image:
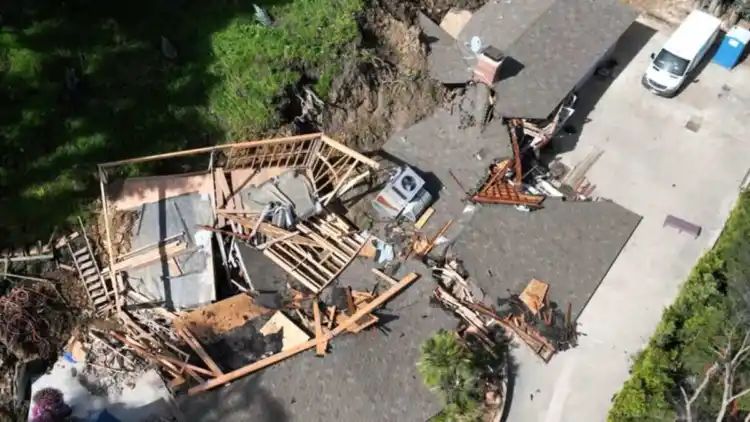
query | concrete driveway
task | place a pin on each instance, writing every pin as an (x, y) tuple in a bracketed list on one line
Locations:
[(654, 166)]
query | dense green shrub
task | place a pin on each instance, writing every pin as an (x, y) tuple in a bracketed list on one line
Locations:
[(457, 373), (713, 299)]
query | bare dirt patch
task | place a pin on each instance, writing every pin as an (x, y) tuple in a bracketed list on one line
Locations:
[(669, 11), (122, 228), (385, 88)]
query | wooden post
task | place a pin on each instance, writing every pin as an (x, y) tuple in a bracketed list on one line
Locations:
[(320, 341), (110, 253)]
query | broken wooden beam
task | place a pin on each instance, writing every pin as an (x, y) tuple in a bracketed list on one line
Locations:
[(194, 344), (163, 253), (320, 342), (388, 279), (152, 356), (423, 219), (27, 258)]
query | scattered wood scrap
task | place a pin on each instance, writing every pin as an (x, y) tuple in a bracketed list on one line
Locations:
[(336, 244), (321, 343), (339, 329), (534, 296), (423, 218), (194, 344)]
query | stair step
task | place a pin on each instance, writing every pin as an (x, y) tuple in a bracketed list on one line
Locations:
[(93, 286), (83, 265), (91, 279), (100, 299), (89, 271), (80, 252)]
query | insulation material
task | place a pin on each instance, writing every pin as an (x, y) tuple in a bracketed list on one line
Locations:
[(292, 334), (290, 189)]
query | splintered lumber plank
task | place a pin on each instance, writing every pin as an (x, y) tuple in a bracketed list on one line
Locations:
[(253, 367), (359, 327), (320, 342), (204, 150), (199, 350), (377, 302), (331, 316), (176, 382), (163, 253), (348, 151), (350, 302), (108, 237), (435, 238), (143, 352), (423, 219), (384, 276), (278, 357), (222, 188)]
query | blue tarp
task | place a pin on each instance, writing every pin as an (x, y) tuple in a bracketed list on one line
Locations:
[(731, 48)]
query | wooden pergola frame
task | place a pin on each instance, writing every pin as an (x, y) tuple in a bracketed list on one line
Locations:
[(315, 253), (332, 167)]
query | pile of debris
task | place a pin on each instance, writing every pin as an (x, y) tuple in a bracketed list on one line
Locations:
[(257, 200), (36, 316), (529, 318)]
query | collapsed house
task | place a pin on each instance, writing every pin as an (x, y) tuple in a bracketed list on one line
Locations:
[(240, 256)]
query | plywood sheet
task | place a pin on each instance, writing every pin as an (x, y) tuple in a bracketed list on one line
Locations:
[(208, 322), (292, 334), (136, 191), (454, 21), (534, 295)]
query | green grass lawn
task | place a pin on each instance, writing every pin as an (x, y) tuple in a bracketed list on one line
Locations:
[(714, 299), (85, 81)]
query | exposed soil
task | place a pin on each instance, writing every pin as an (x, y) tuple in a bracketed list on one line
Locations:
[(385, 88), (670, 11), (122, 229)]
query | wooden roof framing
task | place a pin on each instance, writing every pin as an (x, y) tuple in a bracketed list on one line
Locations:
[(501, 189), (332, 168), (315, 253)]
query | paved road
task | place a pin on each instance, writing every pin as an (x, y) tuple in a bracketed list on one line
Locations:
[(653, 166)]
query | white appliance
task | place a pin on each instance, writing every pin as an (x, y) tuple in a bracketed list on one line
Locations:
[(403, 195)]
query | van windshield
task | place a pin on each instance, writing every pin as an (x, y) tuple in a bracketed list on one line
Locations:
[(671, 63)]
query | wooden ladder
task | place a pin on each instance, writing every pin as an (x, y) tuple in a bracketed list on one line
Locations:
[(99, 292)]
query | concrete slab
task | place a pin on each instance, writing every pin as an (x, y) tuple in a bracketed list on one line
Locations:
[(653, 166), (194, 284)]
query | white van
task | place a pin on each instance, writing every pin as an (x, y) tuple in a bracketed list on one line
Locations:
[(680, 55)]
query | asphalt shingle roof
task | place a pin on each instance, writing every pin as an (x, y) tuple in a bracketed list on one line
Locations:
[(552, 45)]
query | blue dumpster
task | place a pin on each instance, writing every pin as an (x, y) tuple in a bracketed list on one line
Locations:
[(731, 48)]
